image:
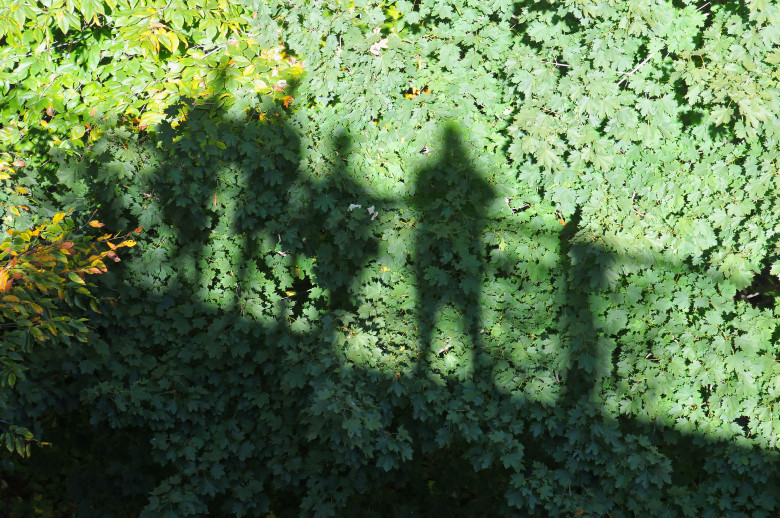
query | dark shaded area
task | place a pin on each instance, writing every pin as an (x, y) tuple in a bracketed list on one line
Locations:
[(763, 291), (450, 253), (315, 272), (337, 261), (95, 462)]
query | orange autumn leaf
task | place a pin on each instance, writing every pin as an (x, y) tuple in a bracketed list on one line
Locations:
[(5, 283)]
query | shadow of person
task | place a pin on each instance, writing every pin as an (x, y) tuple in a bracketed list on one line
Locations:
[(256, 203), (328, 239), (334, 226), (211, 281), (185, 186), (453, 365), (449, 258)]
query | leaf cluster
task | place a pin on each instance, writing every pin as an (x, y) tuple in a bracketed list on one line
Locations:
[(499, 246), (42, 276), (71, 70)]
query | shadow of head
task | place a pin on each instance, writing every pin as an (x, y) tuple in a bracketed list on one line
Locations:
[(450, 188)]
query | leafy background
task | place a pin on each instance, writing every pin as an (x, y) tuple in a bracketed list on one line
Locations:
[(515, 258)]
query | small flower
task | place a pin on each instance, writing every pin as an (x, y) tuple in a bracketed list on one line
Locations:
[(376, 48)]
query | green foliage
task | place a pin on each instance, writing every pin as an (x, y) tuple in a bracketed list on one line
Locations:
[(70, 70), (496, 256), (43, 270)]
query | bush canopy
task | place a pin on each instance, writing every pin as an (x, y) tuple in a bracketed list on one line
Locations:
[(431, 258)]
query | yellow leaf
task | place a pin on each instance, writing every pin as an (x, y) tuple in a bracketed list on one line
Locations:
[(95, 223), (155, 43), (75, 278), (151, 118), (58, 217)]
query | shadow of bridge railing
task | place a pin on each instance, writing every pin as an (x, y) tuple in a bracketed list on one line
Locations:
[(441, 354)]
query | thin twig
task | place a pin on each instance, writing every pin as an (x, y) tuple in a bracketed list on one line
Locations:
[(444, 349), (215, 49), (636, 69)]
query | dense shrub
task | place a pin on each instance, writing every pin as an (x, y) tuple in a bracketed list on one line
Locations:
[(495, 258)]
